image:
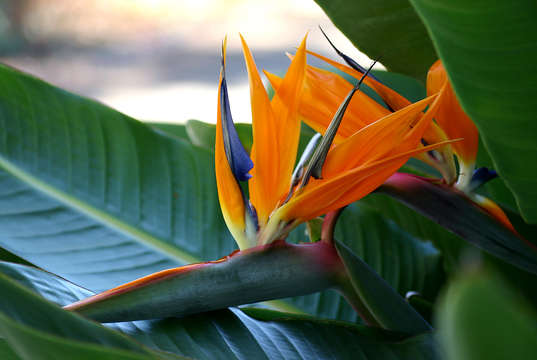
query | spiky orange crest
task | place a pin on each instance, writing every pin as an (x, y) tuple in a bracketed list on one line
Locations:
[(370, 143)]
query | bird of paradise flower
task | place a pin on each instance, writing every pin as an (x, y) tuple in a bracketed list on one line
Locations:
[(328, 176)]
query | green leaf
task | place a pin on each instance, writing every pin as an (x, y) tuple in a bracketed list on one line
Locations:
[(389, 29), (489, 51), (97, 197), (6, 352), (374, 296), (204, 135), (454, 250), (34, 328), (175, 130), (405, 85), (481, 318), (495, 189), (253, 334), (450, 245), (404, 261)]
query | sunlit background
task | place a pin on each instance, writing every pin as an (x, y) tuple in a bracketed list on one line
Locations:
[(158, 60)]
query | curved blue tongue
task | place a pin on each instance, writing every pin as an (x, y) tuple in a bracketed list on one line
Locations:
[(237, 157)]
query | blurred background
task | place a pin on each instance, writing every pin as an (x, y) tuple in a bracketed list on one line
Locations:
[(158, 60)]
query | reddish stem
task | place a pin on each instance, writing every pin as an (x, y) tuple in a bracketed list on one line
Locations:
[(329, 225)]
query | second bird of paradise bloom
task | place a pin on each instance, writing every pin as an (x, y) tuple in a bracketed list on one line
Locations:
[(328, 175), (323, 90)]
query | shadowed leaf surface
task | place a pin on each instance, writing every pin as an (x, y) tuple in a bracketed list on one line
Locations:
[(489, 51), (226, 334), (481, 318)]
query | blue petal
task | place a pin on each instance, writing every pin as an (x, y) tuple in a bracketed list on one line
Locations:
[(481, 176), (237, 157)]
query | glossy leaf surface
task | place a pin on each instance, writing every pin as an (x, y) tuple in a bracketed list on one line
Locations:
[(489, 51), (389, 29), (87, 191), (226, 334), (387, 308)]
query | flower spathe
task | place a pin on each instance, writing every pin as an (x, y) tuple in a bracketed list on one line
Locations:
[(353, 167), (454, 121)]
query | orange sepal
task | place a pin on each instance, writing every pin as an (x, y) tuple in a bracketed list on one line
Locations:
[(494, 210), (229, 193), (451, 117), (377, 140), (323, 93), (266, 146), (285, 105), (322, 196), (391, 97)]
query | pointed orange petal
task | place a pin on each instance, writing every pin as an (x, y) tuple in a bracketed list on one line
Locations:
[(266, 145), (451, 117), (378, 139), (323, 93), (285, 105), (494, 210), (391, 97), (322, 196), (229, 193)]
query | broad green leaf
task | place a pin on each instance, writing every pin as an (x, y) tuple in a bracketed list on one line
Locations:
[(385, 306), (95, 196), (489, 51), (176, 130), (389, 29), (496, 188), (453, 249), (34, 328), (404, 261), (6, 352), (226, 334), (31, 344), (450, 245), (481, 318), (203, 134), (405, 85)]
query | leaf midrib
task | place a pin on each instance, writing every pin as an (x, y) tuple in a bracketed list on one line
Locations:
[(100, 216)]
